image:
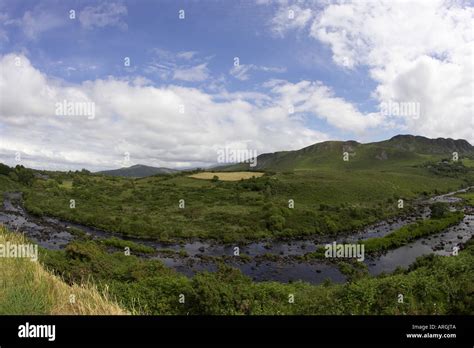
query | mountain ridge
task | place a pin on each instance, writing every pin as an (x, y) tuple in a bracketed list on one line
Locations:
[(403, 147), (138, 171)]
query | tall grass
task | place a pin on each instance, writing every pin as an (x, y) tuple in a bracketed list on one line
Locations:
[(27, 288)]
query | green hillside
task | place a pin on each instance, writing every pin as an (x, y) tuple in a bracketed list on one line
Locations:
[(401, 150)]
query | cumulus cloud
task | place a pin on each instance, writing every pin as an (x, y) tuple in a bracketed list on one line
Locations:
[(319, 100), (417, 51), (162, 126)]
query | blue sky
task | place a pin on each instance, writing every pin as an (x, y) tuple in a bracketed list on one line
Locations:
[(335, 70), (217, 31)]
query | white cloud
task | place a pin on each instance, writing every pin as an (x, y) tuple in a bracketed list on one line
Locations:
[(35, 22), (196, 73), (103, 15), (290, 18), (184, 66), (3, 33), (242, 71), (417, 51), (136, 117), (319, 100), (186, 55)]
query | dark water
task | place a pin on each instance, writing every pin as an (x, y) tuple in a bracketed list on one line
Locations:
[(440, 244), (54, 234)]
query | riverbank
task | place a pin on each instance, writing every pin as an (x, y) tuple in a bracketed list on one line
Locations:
[(280, 260)]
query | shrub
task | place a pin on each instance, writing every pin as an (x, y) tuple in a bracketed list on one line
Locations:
[(438, 210)]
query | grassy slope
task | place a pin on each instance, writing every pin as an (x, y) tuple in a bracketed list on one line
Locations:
[(402, 150), (27, 288)]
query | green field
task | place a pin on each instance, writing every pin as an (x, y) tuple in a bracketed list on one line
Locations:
[(325, 202), (285, 204)]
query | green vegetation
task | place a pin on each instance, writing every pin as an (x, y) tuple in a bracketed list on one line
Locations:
[(353, 269), (325, 202), (302, 193), (27, 288), (468, 197), (330, 195), (433, 285), (447, 168), (410, 232), (6, 185), (438, 210), (122, 244), (226, 176)]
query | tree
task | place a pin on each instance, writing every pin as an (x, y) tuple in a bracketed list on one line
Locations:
[(25, 175), (4, 170)]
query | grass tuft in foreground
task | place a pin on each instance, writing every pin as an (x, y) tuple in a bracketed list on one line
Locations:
[(26, 287)]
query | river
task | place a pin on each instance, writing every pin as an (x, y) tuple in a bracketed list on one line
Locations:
[(52, 233)]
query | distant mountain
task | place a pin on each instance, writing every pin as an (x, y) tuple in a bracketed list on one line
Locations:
[(329, 154), (138, 171)]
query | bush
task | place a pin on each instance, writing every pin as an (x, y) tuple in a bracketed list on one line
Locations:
[(276, 223), (4, 170), (438, 210)]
